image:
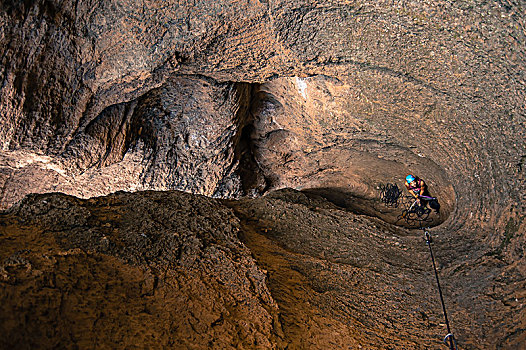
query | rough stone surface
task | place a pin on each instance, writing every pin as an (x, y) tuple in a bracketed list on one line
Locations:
[(182, 136), (170, 269), (69, 67), (311, 134), (331, 97), (129, 270), (371, 285)]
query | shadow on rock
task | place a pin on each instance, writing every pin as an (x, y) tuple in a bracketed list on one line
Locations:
[(404, 214)]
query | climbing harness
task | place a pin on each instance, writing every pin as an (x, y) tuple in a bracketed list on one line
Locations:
[(449, 340), (413, 214), (417, 188)]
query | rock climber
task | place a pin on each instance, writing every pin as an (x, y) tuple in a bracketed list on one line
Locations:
[(418, 189)]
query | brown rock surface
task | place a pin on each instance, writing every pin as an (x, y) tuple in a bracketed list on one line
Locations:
[(129, 270), (370, 284), (233, 98), (168, 269), (182, 135)]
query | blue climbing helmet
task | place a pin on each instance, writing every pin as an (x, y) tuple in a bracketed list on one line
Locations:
[(410, 178)]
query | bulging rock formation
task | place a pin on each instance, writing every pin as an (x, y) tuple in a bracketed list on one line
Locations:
[(155, 269), (239, 99)]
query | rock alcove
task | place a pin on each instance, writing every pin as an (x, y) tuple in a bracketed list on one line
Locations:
[(232, 103)]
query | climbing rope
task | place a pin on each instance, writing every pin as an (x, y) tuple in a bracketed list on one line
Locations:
[(412, 213), (390, 194), (449, 337)]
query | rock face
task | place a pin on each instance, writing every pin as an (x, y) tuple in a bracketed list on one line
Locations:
[(231, 99), (182, 135), (169, 269), (155, 269), (307, 137)]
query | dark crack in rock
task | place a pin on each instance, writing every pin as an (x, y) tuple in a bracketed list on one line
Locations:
[(242, 98)]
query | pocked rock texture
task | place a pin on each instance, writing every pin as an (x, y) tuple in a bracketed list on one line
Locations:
[(334, 98), (146, 270), (176, 270)]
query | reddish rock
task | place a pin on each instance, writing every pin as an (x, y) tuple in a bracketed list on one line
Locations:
[(241, 98), (147, 270)]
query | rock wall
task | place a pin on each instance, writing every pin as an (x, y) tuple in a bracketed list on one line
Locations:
[(334, 98), (147, 269), (455, 68), (287, 270), (183, 135)]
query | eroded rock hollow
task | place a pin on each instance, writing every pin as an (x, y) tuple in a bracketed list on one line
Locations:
[(237, 101)]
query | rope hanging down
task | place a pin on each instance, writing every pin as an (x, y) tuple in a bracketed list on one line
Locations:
[(449, 339)]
